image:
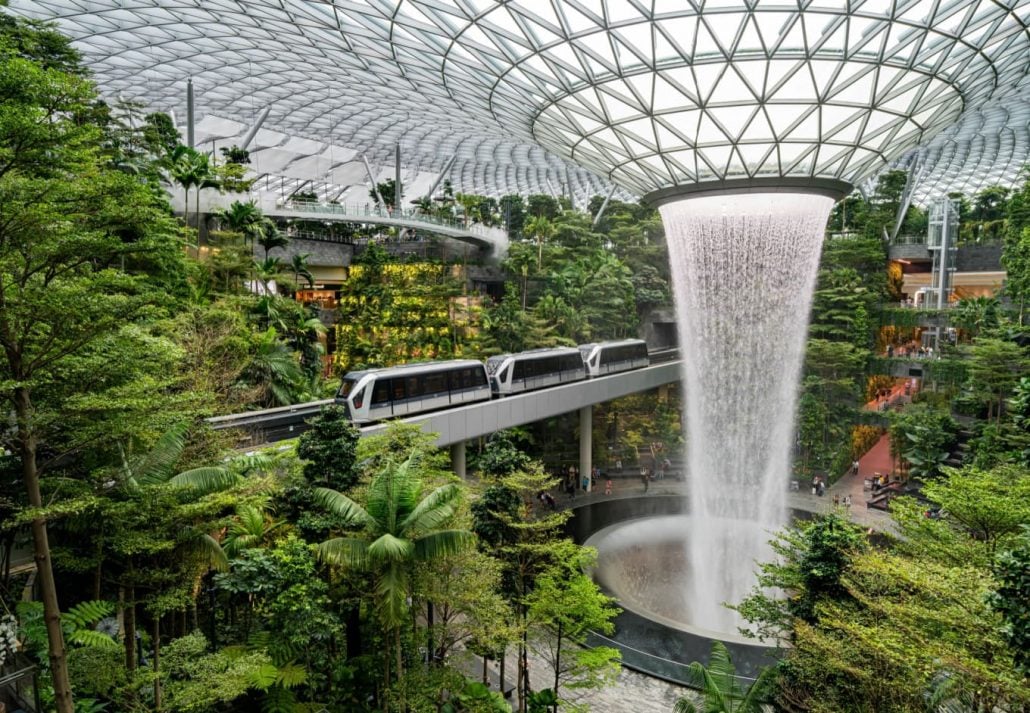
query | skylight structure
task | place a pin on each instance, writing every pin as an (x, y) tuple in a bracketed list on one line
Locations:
[(534, 95)]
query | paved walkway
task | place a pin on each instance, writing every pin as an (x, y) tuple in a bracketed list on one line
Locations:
[(802, 500)]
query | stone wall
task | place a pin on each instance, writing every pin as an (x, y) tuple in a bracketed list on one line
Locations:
[(320, 252), (979, 258)]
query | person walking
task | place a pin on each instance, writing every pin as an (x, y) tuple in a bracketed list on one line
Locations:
[(645, 479), (854, 467), (608, 487)]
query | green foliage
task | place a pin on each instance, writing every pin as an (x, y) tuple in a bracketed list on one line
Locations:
[(330, 448), (195, 681), (1011, 598), (718, 684), (815, 555)]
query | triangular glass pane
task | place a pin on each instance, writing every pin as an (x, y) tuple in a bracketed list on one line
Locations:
[(709, 132), (667, 97), (758, 129), (683, 123), (731, 89), (706, 76), (782, 116), (753, 155), (797, 87), (705, 44), (859, 91), (807, 130), (716, 157), (732, 119), (666, 138)]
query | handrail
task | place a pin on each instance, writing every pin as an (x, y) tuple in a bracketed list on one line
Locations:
[(370, 210)]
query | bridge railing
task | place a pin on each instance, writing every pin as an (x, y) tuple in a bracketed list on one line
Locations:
[(370, 210)]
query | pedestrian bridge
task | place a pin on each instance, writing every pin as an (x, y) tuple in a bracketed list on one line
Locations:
[(493, 240)]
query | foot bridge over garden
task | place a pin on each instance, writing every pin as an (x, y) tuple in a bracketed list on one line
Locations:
[(493, 240)]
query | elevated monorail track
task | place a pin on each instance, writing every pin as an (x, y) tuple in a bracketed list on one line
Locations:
[(258, 428)]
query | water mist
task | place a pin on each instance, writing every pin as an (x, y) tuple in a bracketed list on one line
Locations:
[(743, 268)]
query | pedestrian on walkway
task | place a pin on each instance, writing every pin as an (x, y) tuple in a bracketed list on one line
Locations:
[(854, 467), (608, 487), (643, 477), (836, 501), (847, 501)]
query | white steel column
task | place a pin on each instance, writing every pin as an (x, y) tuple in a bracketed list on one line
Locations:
[(458, 458), (586, 445)]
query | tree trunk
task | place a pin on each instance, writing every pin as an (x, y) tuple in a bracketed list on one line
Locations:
[(504, 654), (557, 665), (41, 545), (157, 662), (429, 632), (130, 631), (354, 644)]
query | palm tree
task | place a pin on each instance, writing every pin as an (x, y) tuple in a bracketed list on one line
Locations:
[(274, 369), (718, 684), (251, 528), (266, 271), (399, 528), (240, 217), (269, 236), (190, 169), (299, 266)]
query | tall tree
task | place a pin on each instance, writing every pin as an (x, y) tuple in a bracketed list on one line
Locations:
[(67, 220), (398, 526)]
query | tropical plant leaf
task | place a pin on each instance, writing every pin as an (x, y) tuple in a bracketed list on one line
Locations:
[(85, 614), (344, 550), (278, 699), (156, 465), (389, 548), (263, 677), (207, 479), (442, 543), (343, 506), (93, 639), (291, 675), (434, 510)]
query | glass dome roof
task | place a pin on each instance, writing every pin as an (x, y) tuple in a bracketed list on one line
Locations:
[(539, 95)]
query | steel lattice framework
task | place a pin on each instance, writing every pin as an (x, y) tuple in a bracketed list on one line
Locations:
[(533, 95)]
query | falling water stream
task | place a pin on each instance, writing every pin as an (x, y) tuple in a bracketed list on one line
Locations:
[(743, 268)]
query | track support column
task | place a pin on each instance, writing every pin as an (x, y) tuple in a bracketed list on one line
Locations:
[(458, 458), (586, 445)]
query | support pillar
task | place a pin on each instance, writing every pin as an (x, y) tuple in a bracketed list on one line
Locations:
[(458, 458), (586, 445), (190, 130), (398, 190)]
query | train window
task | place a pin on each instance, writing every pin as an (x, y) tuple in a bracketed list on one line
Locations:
[(398, 389), (520, 370), (479, 376), (435, 383), (381, 392), (414, 386), (346, 387), (503, 376)]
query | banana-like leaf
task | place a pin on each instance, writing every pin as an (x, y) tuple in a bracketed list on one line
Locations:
[(156, 465), (207, 479)]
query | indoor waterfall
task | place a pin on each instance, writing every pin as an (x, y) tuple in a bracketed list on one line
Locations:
[(743, 268)]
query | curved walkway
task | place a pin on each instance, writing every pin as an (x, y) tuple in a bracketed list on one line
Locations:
[(493, 239)]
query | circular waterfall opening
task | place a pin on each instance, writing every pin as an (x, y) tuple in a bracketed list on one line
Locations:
[(645, 564)]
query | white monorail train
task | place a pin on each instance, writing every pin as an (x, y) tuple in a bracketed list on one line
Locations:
[(535, 369), (393, 392)]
